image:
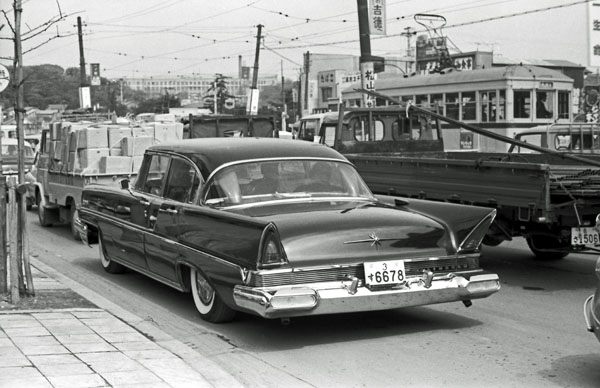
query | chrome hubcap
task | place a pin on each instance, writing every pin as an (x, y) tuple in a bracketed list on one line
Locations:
[(205, 291)]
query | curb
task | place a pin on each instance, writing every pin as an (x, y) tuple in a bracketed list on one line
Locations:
[(203, 365)]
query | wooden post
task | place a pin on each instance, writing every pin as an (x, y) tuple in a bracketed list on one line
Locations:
[(3, 250), (15, 270)]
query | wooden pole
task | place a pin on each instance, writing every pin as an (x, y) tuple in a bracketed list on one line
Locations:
[(22, 245), (3, 250), (15, 270)]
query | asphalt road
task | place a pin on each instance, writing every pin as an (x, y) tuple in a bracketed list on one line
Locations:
[(530, 334)]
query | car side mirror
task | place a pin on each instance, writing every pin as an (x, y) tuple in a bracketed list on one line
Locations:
[(125, 184)]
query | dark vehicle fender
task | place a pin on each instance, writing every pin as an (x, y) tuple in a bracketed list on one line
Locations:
[(458, 219)]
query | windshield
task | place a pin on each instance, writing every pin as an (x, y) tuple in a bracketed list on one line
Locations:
[(272, 180), (11, 150)]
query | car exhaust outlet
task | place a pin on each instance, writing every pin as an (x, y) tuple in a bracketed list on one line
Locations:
[(427, 278), (285, 321), (467, 303)]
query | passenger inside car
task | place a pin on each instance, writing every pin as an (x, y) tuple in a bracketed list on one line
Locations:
[(269, 182)]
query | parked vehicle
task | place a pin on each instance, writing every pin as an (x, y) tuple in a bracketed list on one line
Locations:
[(282, 228), (591, 307), (551, 198), (580, 138), (230, 126)]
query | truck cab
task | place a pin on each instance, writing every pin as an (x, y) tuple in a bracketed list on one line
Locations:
[(372, 130)]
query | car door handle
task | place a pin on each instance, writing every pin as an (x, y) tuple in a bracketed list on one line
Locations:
[(168, 211), (144, 202)]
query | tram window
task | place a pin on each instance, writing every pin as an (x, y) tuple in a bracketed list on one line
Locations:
[(437, 101), (501, 105), (422, 100), (488, 106), (469, 111), (544, 104), (452, 107), (522, 104), (563, 105)]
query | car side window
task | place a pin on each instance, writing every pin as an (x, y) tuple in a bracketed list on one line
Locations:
[(153, 182), (182, 182)]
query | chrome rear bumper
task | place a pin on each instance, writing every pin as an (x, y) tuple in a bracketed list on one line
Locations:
[(343, 297)]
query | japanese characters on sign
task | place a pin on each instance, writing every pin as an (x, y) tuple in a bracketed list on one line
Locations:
[(594, 33), (368, 82), (351, 77), (95, 71), (327, 77), (377, 17)]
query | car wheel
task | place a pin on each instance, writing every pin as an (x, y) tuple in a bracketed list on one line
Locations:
[(108, 265), (208, 303), (542, 246), (74, 215), (43, 215)]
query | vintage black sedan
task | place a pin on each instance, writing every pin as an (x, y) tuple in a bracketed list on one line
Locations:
[(282, 228)]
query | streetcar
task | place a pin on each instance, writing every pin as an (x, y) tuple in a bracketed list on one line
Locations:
[(505, 100)]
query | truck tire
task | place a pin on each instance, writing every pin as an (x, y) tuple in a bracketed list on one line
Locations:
[(542, 246), (74, 214), (43, 215)]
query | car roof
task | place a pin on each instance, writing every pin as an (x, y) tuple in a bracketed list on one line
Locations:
[(218, 151)]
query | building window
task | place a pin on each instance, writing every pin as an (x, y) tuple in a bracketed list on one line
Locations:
[(522, 104), (326, 93)]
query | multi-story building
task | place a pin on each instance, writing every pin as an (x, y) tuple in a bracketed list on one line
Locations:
[(194, 87)]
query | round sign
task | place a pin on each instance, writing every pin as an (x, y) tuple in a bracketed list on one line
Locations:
[(4, 77), (230, 103)]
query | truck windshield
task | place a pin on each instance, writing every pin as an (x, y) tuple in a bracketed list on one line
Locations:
[(271, 180), (11, 150)]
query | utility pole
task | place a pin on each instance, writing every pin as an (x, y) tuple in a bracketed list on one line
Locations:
[(306, 72), (253, 103), (408, 33), (284, 110), (84, 90), (367, 71), (82, 75)]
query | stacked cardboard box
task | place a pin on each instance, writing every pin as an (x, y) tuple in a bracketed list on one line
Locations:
[(105, 149)]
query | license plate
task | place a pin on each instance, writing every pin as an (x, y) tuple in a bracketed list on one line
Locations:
[(384, 272), (584, 236)]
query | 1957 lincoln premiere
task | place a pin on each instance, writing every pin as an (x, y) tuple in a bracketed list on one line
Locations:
[(282, 228)]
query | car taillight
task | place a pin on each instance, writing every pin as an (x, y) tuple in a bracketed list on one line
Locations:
[(271, 251), (473, 240)]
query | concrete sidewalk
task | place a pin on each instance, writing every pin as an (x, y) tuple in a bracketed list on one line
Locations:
[(103, 346)]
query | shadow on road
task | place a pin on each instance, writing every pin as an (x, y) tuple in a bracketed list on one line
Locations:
[(580, 370)]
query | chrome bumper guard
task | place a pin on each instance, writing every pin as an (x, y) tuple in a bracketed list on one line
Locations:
[(82, 229), (344, 297), (591, 320)]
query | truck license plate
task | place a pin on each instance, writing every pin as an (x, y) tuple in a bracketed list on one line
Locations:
[(384, 272), (584, 236)]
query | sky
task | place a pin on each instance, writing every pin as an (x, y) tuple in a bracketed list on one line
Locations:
[(142, 38)]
